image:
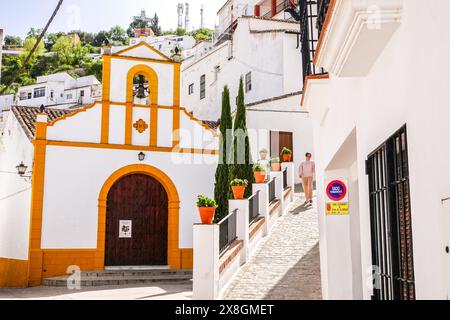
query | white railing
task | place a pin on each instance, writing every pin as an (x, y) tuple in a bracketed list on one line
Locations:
[(214, 270)]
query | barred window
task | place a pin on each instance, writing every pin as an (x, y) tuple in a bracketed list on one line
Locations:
[(248, 82), (39, 92), (202, 87)]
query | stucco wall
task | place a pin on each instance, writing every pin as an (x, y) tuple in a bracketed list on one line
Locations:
[(15, 192), (408, 84)]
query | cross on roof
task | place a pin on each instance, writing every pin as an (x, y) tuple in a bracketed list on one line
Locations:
[(143, 17)]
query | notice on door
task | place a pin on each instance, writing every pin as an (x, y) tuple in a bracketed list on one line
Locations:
[(337, 203), (125, 229)]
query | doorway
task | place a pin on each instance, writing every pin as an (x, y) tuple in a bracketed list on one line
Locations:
[(136, 222)]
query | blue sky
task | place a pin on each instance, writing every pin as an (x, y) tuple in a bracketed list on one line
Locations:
[(18, 16)]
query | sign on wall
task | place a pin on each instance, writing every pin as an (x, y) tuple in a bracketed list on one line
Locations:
[(337, 202), (125, 229)]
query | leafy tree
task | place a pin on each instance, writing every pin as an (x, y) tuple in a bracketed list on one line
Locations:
[(28, 46), (94, 67), (34, 33), (13, 42), (69, 52), (241, 167), (100, 38), (222, 186), (202, 34), (155, 26), (85, 37), (118, 34), (180, 32)]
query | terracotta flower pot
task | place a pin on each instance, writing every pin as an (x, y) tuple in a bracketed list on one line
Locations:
[(207, 214), (276, 167), (260, 177), (287, 157), (238, 192)]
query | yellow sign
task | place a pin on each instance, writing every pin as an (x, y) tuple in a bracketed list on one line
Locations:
[(338, 209)]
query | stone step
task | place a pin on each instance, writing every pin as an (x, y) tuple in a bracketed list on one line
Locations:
[(118, 278)]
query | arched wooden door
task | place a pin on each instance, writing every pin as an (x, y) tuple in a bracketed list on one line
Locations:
[(136, 222)]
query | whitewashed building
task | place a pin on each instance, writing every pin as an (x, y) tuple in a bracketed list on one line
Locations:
[(380, 116), (266, 52), (60, 90), (68, 208), (165, 44)]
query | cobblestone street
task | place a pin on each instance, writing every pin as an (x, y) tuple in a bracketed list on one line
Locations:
[(286, 266)]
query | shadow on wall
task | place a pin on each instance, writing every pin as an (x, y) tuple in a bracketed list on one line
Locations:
[(302, 282)]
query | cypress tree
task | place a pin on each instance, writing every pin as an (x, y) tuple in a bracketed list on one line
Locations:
[(222, 185), (241, 167)]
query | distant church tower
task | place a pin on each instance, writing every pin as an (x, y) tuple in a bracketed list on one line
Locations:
[(202, 17)]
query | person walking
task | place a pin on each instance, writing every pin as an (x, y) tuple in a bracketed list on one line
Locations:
[(307, 173)]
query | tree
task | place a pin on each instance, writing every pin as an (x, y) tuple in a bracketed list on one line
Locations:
[(94, 67), (100, 38), (202, 34), (28, 46), (222, 185), (118, 34), (69, 52), (180, 32), (241, 167), (155, 26), (137, 24), (34, 33), (13, 42)]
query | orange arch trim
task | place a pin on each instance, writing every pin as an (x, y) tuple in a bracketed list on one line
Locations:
[(174, 252), (152, 77)]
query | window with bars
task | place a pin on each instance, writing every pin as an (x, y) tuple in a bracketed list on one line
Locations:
[(191, 89), (248, 82), (391, 226), (202, 87)]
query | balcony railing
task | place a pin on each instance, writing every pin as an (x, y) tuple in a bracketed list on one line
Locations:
[(313, 14), (272, 191), (253, 207), (228, 227)]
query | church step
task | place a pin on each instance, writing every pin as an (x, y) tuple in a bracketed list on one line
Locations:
[(118, 278)]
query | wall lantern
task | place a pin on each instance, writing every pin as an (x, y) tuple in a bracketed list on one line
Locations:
[(141, 156), (21, 169)]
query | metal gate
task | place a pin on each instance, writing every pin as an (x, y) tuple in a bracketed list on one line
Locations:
[(391, 226)]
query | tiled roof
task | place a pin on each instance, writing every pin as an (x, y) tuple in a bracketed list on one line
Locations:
[(293, 94), (26, 116), (212, 124)]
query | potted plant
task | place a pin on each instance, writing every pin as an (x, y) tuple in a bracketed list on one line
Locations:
[(276, 165), (287, 155), (263, 154), (207, 208), (260, 173), (238, 186)]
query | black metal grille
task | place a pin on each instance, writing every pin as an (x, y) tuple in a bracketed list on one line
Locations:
[(285, 179), (391, 227), (228, 227), (253, 207), (272, 195), (312, 17)]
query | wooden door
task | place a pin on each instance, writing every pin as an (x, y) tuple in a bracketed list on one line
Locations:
[(280, 140), (141, 203)]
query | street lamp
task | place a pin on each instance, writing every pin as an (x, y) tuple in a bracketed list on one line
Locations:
[(141, 156), (21, 169)]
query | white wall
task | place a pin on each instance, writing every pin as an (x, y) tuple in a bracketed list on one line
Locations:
[(408, 84), (272, 57), (15, 192), (283, 118), (70, 214)]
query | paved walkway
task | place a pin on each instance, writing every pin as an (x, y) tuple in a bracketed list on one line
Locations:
[(160, 291), (286, 266)]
